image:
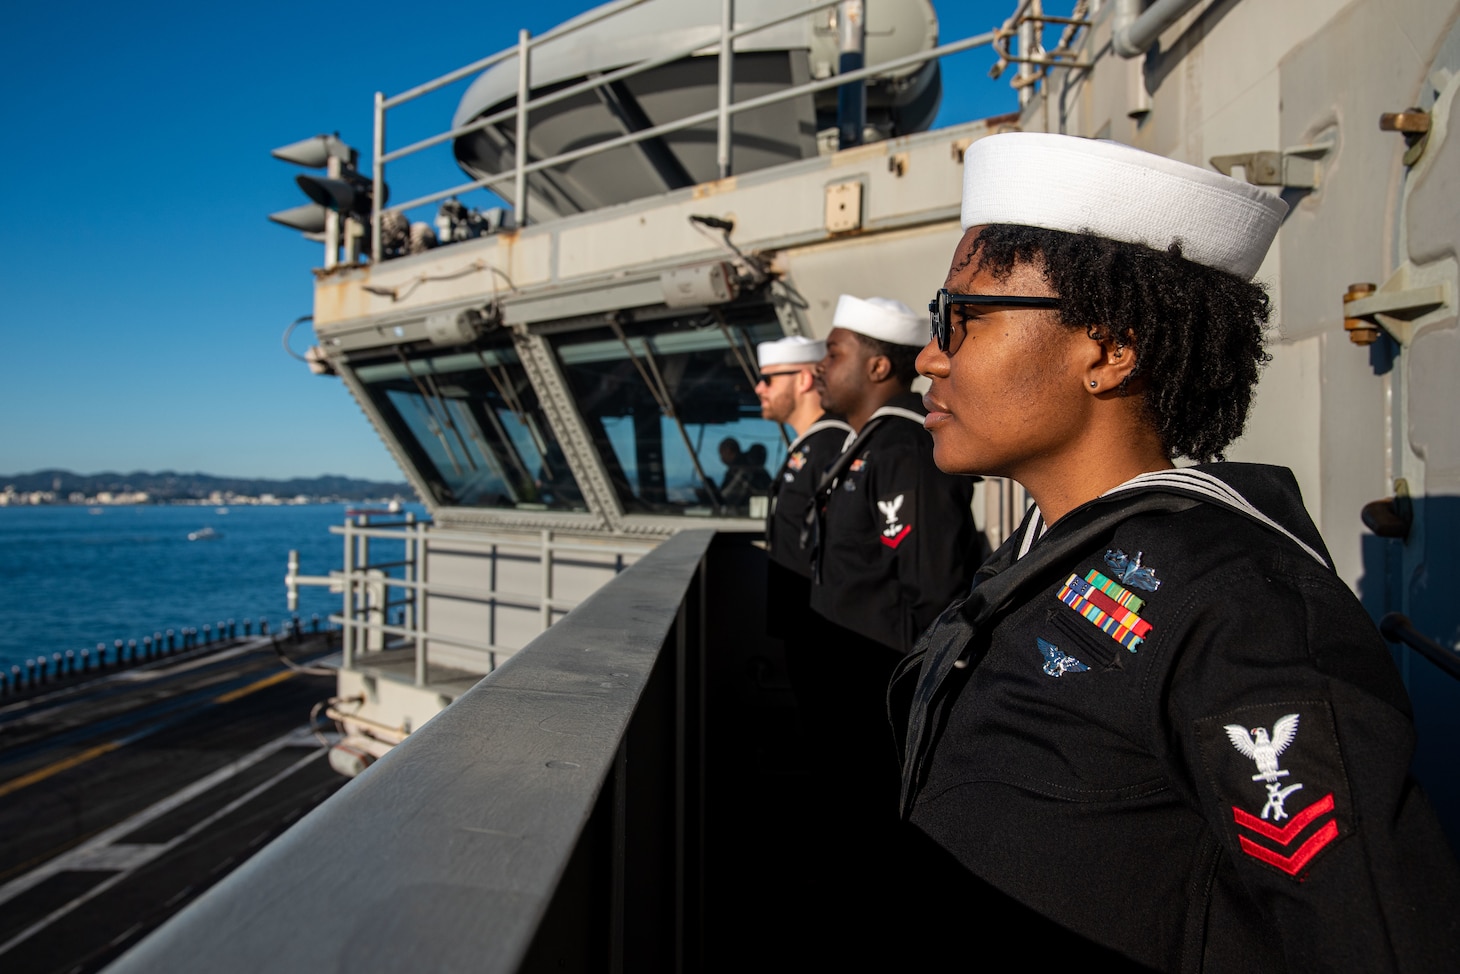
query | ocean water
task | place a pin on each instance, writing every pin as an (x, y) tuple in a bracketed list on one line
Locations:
[(70, 578)]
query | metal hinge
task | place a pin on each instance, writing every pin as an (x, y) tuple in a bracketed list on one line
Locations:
[(1295, 167)]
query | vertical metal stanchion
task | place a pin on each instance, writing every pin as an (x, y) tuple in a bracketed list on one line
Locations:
[(519, 183), (377, 177), (727, 84), (418, 603), (545, 612), (347, 609), (1026, 70)]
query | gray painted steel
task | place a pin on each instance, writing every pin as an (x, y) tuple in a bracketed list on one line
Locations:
[(449, 852)]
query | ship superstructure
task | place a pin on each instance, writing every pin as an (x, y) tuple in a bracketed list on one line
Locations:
[(557, 377)]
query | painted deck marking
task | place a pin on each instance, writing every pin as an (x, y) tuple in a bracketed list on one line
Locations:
[(73, 858), (254, 687), (111, 881), (65, 764)]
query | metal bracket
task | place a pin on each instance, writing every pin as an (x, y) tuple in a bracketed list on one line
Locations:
[(1405, 297), (1296, 167)]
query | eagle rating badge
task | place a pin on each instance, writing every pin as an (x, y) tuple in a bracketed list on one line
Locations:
[(895, 531), (1284, 789)]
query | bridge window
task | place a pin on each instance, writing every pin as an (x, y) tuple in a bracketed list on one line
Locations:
[(671, 407), (471, 425)]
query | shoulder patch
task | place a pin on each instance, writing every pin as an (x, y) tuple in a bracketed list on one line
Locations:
[(896, 531), (1278, 776)]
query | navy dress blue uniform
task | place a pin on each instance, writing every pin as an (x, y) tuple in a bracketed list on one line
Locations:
[(1167, 726), (791, 492), (897, 542)]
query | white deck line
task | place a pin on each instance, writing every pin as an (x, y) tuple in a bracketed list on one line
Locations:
[(111, 881), (86, 853)]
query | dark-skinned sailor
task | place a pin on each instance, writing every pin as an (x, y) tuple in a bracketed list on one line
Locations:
[(894, 535), (1161, 726)]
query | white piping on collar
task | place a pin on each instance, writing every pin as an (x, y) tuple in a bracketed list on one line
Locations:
[(1032, 533), (898, 411), (1196, 481), (1201, 482), (817, 427)]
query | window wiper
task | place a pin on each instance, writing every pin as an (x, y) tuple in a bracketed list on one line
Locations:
[(654, 380)]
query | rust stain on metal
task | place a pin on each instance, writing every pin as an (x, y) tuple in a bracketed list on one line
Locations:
[(715, 187)]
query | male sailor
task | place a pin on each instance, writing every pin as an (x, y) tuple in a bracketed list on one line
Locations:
[(894, 535), (788, 394)]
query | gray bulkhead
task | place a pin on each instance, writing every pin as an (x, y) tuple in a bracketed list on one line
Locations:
[(1307, 83)]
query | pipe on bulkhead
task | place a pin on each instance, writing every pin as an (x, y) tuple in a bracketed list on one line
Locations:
[(1135, 30), (851, 99)]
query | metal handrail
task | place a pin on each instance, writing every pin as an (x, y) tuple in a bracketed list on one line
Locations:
[(690, 121), (363, 613), (725, 108), (1396, 627)]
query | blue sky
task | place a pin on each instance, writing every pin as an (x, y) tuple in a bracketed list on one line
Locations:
[(144, 291)]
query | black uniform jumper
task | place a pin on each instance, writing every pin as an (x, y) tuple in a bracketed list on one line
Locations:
[(895, 545), (896, 534), (807, 458), (1168, 726)]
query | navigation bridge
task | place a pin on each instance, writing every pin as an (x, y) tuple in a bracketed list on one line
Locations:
[(564, 372)]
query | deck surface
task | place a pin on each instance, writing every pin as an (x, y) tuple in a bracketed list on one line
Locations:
[(125, 796)]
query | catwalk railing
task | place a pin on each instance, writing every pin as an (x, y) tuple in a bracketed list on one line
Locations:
[(553, 817), (724, 45)]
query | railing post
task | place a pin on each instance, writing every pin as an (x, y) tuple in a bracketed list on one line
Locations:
[(519, 189), (547, 580), (418, 601), (727, 84), (347, 631), (1027, 45), (377, 172)]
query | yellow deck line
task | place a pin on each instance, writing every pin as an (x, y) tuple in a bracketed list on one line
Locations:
[(65, 764), (267, 681)]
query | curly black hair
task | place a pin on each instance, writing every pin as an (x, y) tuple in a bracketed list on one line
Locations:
[(903, 358), (1197, 331)]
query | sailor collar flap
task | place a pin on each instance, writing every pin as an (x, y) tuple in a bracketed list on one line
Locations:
[(1022, 564)]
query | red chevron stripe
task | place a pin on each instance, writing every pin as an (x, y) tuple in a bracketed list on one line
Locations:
[(893, 542), (1294, 863), (1285, 835)]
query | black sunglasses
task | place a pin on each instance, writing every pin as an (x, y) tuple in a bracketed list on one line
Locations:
[(766, 377), (941, 320)]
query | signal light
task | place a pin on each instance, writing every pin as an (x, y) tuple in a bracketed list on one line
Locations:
[(339, 200)]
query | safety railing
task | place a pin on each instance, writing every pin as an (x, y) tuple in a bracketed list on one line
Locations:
[(726, 108), (376, 591), (596, 804)]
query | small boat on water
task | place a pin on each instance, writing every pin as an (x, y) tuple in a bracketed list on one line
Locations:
[(204, 534)]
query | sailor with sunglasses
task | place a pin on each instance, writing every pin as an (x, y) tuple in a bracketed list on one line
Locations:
[(787, 391), (1160, 726)]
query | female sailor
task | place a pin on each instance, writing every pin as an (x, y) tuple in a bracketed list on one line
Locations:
[(1160, 720)]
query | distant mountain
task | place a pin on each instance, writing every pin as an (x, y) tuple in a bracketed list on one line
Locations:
[(167, 485)]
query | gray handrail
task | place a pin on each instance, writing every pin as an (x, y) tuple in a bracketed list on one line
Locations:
[(452, 851)]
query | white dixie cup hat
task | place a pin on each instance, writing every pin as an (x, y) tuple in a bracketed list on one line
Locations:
[(1060, 182), (791, 350), (884, 319)]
